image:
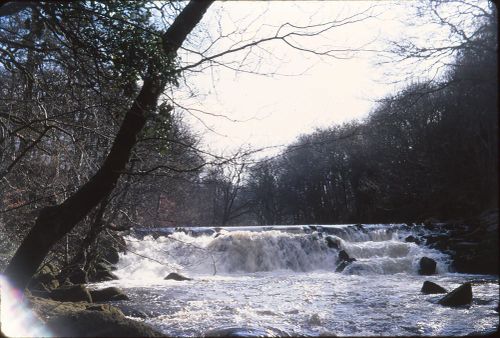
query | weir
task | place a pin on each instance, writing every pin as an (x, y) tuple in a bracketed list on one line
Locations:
[(374, 249)]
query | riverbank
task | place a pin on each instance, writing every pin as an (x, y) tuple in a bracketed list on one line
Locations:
[(471, 243)]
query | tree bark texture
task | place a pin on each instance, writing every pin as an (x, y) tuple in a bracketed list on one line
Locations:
[(56, 221)]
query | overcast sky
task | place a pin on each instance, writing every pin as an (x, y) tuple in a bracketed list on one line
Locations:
[(294, 92)]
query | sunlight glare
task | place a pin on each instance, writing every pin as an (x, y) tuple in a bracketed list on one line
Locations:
[(16, 319)]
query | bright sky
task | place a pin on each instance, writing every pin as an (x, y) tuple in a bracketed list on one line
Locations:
[(299, 91)]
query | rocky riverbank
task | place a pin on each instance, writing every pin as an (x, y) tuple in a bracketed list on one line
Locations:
[(472, 243), (64, 308)]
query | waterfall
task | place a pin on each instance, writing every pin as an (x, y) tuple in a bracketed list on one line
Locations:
[(376, 248)]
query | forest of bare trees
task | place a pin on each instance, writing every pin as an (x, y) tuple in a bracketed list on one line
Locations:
[(429, 150), (88, 145)]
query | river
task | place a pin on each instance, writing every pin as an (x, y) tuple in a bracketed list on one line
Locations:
[(281, 281)]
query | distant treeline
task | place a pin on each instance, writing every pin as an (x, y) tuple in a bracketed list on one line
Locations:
[(429, 150)]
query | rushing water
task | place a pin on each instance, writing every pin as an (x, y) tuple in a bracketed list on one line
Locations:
[(280, 281)]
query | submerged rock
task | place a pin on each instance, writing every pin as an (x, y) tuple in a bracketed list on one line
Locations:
[(460, 296), (245, 332), (427, 266), (73, 293), (177, 277), (108, 294), (130, 311), (430, 287)]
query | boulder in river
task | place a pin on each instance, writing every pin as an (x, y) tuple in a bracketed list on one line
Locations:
[(430, 287), (427, 266), (333, 243), (343, 255), (458, 297), (344, 260), (412, 239), (73, 293), (108, 294), (177, 277)]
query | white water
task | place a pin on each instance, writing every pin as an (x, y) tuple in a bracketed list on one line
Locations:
[(281, 281)]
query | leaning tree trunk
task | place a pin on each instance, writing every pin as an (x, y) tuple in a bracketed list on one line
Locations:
[(56, 221)]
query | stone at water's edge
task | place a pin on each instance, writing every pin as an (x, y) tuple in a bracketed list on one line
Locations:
[(108, 294), (73, 293), (176, 276), (430, 287), (104, 275), (427, 266), (458, 297)]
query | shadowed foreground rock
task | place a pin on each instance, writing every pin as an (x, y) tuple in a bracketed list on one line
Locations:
[(83, 319), (430, 287), (96, 323), (458, 297)]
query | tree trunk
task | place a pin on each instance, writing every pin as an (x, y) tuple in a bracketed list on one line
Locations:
[(56, 221)]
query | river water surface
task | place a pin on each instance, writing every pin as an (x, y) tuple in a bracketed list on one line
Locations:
[(281, 281)]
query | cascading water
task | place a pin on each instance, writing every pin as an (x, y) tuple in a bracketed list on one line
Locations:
[(281, 280)]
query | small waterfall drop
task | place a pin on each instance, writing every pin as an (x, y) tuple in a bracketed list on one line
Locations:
[(377, 249)]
